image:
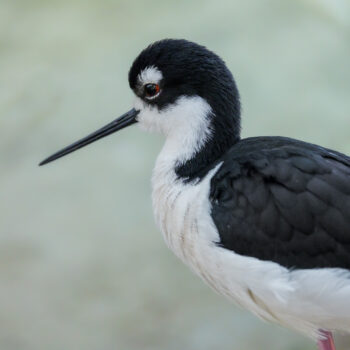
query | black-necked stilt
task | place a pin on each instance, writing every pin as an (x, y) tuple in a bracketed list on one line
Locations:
[(265, 221)]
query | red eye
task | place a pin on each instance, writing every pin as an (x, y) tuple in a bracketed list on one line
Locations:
[(151, 90)]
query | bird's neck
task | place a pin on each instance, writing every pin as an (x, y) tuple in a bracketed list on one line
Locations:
[(198, 134), (205, 158), (189, 156)]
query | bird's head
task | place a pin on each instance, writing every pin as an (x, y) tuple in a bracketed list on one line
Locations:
[(181, 88)]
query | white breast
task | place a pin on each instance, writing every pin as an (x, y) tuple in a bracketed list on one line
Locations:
[(274, 293), (179, 211), (182, 212)]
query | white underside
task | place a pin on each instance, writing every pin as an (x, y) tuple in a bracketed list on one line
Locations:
[(304, 300)]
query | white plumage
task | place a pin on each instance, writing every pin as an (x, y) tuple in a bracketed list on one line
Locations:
[(304, 300)]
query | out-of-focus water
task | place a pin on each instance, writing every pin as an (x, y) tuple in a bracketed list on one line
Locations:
[(82, 265)]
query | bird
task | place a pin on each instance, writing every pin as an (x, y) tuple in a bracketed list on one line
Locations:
[(264, 221)]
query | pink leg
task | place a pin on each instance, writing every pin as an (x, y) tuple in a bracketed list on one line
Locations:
[(327, 343)]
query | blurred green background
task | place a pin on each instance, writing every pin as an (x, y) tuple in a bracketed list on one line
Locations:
[(82, 265)]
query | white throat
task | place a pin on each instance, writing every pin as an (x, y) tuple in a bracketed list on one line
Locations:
[(185, 125)]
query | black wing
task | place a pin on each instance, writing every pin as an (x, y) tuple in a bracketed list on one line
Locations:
[(284, 200)]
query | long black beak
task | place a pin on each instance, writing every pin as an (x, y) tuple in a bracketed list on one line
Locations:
[(120, 123)]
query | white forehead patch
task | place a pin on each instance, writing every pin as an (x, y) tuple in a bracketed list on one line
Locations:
[(150, 74)]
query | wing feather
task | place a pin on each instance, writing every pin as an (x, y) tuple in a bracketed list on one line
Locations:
[(284, 200)]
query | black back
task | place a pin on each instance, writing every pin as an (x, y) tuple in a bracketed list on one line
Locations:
[(284, 200)]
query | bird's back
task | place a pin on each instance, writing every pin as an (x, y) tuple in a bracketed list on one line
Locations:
[(285, 201)]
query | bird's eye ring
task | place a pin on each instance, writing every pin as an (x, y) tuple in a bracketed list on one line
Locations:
[(151, 90)]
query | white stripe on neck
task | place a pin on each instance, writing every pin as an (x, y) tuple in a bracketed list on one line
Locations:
[(185, 124)]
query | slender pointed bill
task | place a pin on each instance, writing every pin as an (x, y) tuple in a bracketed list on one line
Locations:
[(125, 120)]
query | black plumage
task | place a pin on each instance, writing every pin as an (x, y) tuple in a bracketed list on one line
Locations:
[(285, 201)]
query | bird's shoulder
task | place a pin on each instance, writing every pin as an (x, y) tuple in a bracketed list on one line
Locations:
[(277, 147), (284, 200)]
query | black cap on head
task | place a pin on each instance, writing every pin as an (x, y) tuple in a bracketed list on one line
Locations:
[(189, 69)]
